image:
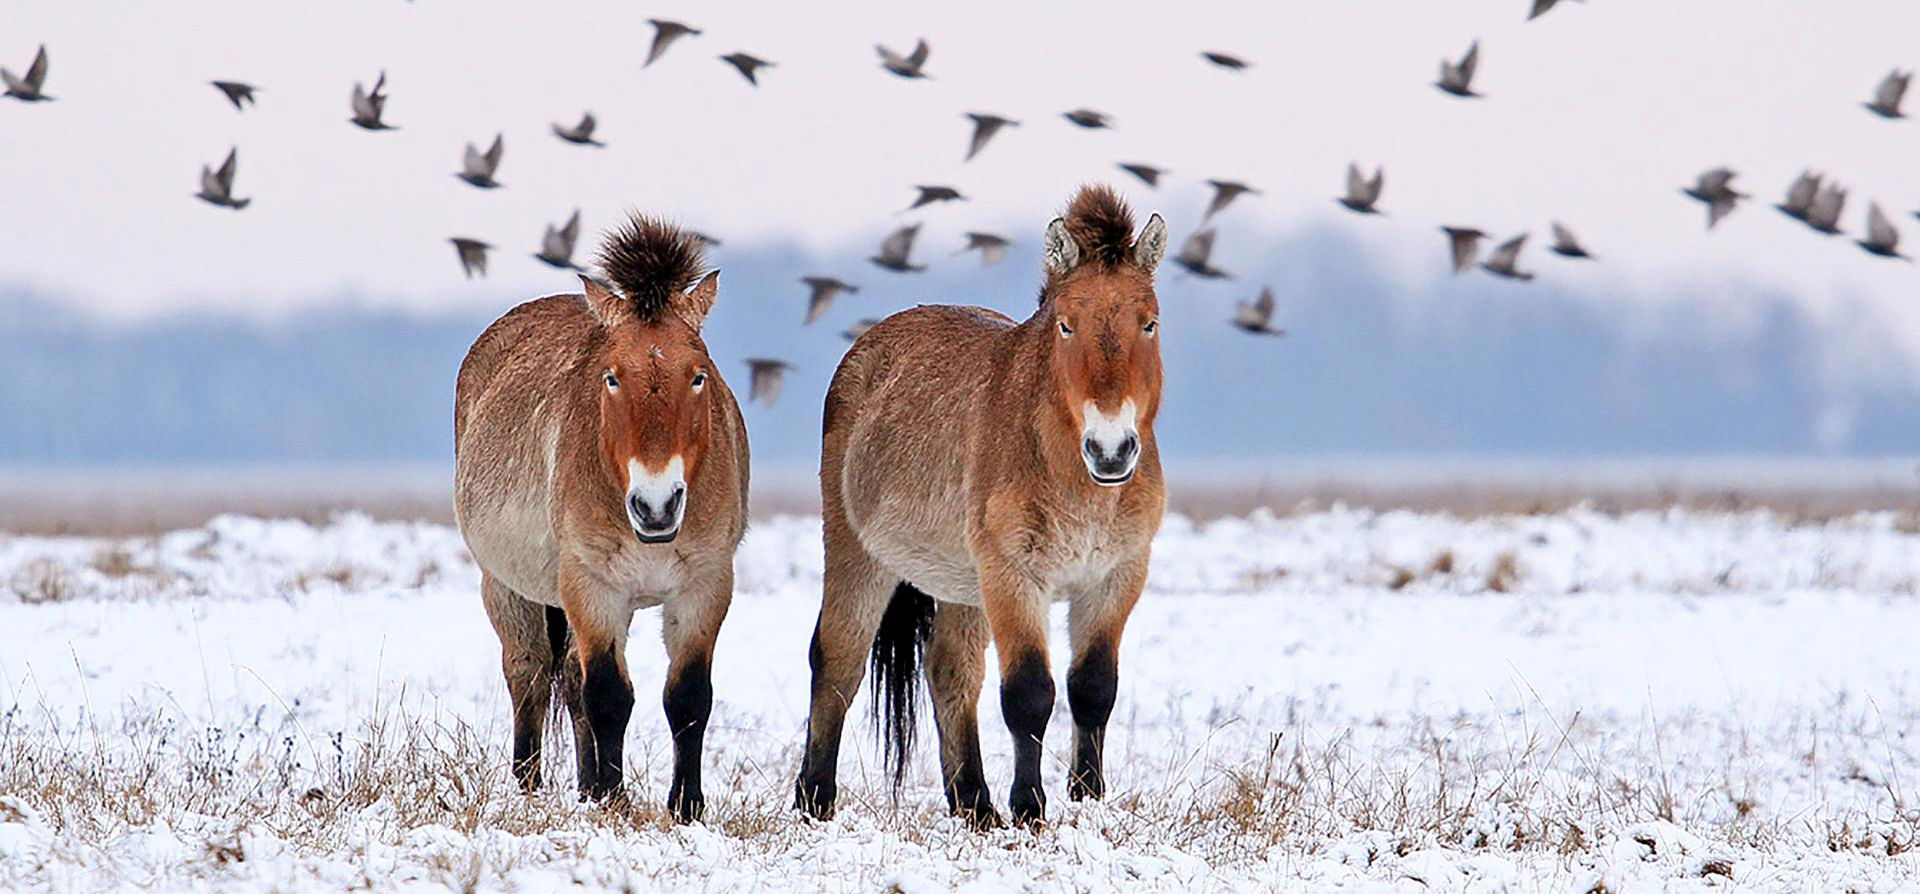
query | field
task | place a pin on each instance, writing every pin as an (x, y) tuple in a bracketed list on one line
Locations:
[(1336, 698)]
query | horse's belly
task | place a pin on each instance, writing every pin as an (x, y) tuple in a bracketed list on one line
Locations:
[(943, 570), (511, 539)]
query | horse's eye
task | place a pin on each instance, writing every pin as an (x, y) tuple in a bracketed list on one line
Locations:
[(699, 379), (1066, 331), (613, 382), (1152, 327)]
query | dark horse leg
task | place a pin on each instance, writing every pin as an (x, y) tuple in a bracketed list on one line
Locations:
[(527, 660)]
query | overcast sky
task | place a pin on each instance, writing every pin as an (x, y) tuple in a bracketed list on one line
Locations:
[(1594, 115)]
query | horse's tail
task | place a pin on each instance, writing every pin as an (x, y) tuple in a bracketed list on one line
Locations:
[(560, 677), (898, 647)]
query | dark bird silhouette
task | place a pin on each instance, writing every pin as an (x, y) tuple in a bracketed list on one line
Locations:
[(1715, 189), (932, 194), (1540, 8), (1464, 244), (860, 328), (1224, 192), (1505, 260), (370, 105), (237, 93), (1457, 77), (908, 66), (1227, 61), (1887, 96), (748, 65), (580, 134), (1089, 118), (705, 240), (1363, 192), (1148, 174), (556, 247), (1256, 316), (473, 255), (821, 292), (664, 34), (216, 187), (1882, 239), (1800, 196), (1196, 256), (992, 247), (32, 87), (984, 127), (768, 378), (478, 168), (1566, 245), (1824, 216), (896, 250)]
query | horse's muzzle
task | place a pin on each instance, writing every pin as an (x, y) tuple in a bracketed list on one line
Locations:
[(1111, 464), (657, 522)]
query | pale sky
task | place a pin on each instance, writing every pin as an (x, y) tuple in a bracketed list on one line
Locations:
[(1594, 115)]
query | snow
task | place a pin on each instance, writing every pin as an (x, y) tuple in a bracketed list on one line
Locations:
[(1337, 700)]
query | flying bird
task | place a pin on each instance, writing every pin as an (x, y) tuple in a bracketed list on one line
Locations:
[(748, 65), (1540, 8), (1224, 192), (473, 255), (1148, 174), (1457, 77), (705, 240), (580, 134), (1363, 193), (984, 127), (1715, 188), (1567, 245), (216, 187), (932, 194), (1227, 61), (896, 250), (1505, 260), (1089, 118), (1256, 316), (992, 247), (1196, 254), (1824, 216), (237, 93), (31, 87), (368, 106), (1464, 243), (1800, 196), (908, 66), (478, 169), (664, 34), (1882, 239), (860, 328), (768, 377), (556, 247), (1887, 96), (822, 291)]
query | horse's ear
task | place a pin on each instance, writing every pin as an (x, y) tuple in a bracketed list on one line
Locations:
[(699, 301), (1062, 253), (1151, 245), (607, 305)]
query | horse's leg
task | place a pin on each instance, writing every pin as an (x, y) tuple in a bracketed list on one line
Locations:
[(599, 625), (1096, 619), (855, 597), (527, 661), (690, 623), (1017, 614), (956, 665)]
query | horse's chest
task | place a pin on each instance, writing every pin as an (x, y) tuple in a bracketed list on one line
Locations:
[(645, 577)]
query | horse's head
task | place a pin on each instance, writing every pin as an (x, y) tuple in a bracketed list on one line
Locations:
[(654, 377), (1105, 324)]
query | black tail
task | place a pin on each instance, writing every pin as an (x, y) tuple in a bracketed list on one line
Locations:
[(559, 641), (897, 649)]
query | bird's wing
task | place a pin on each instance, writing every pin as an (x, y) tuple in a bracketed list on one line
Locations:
[(1715, 180), (228, 167), (900, 243), (1508, 253), (1469, 62), (586, 126), (1264, 304), (473, 162), (1465, 246), (819, 300), (919, 55), (1564, 237), (1374, 185), (1800, 196), (209, 182), (1356, 182), (571, 232), (1880, 230), (494, 152), (362, 104), (37, 72), (1887, 95), (1540, 8), (1197, 248)]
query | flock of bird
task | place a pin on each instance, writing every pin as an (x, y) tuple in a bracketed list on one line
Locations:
[(1812, 198)]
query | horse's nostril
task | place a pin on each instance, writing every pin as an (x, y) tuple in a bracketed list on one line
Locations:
[(1129, 447)]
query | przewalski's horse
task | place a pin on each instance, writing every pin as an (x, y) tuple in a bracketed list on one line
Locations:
[(973, 471), (600, 468)]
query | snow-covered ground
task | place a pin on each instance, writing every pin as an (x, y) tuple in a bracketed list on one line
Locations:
[(1336, 700)]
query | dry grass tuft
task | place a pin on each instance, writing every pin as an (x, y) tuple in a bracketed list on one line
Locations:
[(1504, 576)]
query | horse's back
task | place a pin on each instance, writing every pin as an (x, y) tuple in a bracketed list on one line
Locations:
[(893, 462)]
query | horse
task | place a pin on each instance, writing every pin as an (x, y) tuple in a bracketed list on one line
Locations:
[(972, 471), (601, 467)]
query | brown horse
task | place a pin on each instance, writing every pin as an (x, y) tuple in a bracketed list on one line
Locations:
[(973, 471), (600, 468)]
